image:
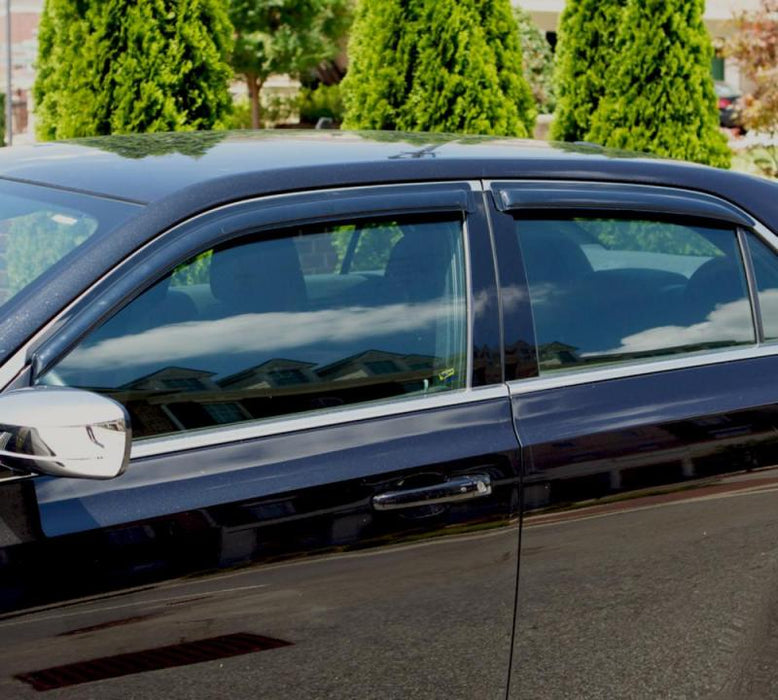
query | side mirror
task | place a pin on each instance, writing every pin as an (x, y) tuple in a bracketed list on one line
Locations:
[(64, 432)]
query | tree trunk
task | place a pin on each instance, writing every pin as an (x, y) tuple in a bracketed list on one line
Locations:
[(254, 88)]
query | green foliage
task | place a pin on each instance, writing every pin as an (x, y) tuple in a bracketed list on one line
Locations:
[(284, 37), (585, 52), (374, 245), (240, 117), (660, 96), (275, 109), (194, 271), (324, 101), (380, 52), (648, 237), (538, 61), (437, 65), (119, 66), (192, 144)]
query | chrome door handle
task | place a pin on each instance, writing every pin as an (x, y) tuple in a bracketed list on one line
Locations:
[(460, 488)]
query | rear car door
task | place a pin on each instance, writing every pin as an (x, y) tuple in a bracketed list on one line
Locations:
[(323, 493), (650, 515)]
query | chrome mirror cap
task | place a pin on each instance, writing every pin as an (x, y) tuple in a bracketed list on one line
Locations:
[(64, 432)]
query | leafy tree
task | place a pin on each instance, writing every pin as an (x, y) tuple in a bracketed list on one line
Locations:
[(538, 61), (754, 46), (381, 50), (284, 36), (324, 101), (437, 65), (67, 74), (585, 51), (659, 95), (119, 66)]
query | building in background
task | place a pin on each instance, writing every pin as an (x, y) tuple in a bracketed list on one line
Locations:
[(25, 16)]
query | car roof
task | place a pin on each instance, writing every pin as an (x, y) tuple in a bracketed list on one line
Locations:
[(149, 167)]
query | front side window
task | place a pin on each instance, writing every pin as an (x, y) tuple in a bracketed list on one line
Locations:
[(281, 323), (617, 289)]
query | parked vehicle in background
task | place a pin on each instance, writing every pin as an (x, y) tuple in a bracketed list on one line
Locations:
[(729, 112), (325, 415)]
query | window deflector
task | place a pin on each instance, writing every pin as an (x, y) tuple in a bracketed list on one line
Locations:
[(531, 196)]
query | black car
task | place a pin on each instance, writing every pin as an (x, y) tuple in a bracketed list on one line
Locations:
[(373, 415)]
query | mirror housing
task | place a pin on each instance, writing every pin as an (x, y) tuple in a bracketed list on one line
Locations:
[(62, 431)]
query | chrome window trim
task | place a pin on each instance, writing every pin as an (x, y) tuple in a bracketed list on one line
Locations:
[(635, 369), (282, 425), (469, 305)]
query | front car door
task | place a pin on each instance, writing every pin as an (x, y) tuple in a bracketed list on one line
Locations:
[(648, 563), (323, 492)]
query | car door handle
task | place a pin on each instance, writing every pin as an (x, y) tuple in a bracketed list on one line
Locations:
[(460, 488)]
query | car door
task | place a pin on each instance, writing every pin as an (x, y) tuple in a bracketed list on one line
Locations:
[(649, 438), (322, 498)]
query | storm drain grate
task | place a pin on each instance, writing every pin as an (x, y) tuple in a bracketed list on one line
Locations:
[(149, 660)]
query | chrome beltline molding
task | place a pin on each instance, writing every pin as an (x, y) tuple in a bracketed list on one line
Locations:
[(209, 437), (622, 371)]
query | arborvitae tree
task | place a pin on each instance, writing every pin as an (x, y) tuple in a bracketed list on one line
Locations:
[(66, 80), (380, 59), (437, 65), (585, 51), (538, 60), (120, 66), (288, 37), (660, 96)]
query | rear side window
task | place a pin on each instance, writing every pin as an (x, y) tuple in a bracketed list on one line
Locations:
[(298, 320), (766, 273), (615, 289)]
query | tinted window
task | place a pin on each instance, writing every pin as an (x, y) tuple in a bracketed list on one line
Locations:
[(766, 273), (278, 325), (606, 290)]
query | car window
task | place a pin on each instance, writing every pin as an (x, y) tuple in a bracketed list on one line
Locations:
[(273, 325), (609, 289), (766, 274), (39, 226)]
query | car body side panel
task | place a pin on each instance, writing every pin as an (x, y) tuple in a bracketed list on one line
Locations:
[(277, 539), (648, 556)]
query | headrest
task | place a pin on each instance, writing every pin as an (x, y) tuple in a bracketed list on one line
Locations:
[(420, 261), (261, 276), (549, 255)]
